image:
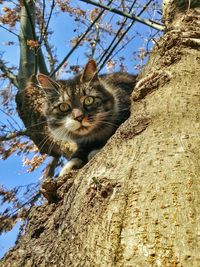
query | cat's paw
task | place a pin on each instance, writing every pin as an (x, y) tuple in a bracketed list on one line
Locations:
[(93, 153), (75, 163)]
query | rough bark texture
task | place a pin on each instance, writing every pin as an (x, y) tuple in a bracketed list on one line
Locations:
[(136, 203)]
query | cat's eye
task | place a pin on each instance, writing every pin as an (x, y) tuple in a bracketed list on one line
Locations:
[(89, 100), (64, 107)]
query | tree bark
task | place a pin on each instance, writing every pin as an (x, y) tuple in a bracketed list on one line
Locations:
[(136, 202)]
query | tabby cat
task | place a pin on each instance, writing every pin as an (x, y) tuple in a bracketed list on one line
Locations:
[(86, 109)]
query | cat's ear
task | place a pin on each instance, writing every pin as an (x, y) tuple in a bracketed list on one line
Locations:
[(46, 82), (90, 72)]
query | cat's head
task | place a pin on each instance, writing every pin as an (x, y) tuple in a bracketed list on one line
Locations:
[(80, 107)]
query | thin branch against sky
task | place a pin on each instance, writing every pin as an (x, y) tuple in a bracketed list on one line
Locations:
[(150, 23)]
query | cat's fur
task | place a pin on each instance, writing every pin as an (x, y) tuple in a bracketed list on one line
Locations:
[(87, 109)]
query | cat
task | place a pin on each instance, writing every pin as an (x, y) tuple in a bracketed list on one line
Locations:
[(86, 109)]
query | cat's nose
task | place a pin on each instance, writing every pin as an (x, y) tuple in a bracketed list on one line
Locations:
[(77, 114)]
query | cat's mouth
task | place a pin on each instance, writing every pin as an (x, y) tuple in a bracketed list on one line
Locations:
[(85, 123), (84, 126), (82, 130)]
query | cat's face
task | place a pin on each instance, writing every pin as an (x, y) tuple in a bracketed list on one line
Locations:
[(79, 107)]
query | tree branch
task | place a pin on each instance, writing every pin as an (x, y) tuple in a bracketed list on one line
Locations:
[(8, 73), (13, 135), (30, 10), (49, 51), (49, 18), (79, 40), (27, 56), (123, 34), (43, 38), (114, 39), (152, 24), (41, 62), (9, 31)]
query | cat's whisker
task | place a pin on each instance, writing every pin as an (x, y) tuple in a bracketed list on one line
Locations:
[(39, 123), (44, 141), (51, 146), (106, 118), (61, 134), (107, 123), (36, 124), (124, 109)]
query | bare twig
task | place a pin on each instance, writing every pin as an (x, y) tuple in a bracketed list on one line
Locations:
[(96, 39), (152, 24), (13, 135), (114, 39), (30, 201), (9, 31), (79, 41), (8, 73), (43, 19), (49, 18), (122, 36), (117, 51), (51, 58), (14, 122), (43, 38)]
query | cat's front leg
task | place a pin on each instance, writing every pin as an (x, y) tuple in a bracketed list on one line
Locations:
[(74, 163), (92, 154)]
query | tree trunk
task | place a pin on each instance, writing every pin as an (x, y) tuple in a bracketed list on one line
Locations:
[(136, 202)]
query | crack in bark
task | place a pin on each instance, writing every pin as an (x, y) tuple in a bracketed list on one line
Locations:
[(118, 252), (133, 128), (149, 84)]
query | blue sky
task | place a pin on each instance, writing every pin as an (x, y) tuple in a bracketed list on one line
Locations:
[(12, 173)]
